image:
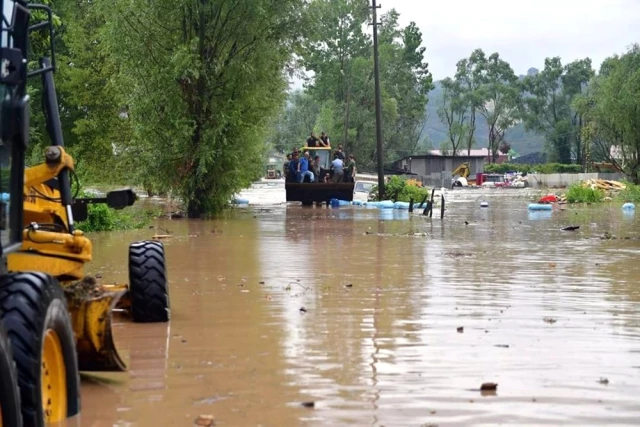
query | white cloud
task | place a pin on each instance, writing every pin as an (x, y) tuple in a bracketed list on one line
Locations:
[(524, 33)]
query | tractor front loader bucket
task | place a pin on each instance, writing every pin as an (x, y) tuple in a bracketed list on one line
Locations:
[(91, 309)]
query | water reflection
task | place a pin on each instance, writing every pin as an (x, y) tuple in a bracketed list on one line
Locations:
[(544, 313)]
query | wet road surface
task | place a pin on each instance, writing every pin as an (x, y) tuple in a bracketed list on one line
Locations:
[(358, 310)]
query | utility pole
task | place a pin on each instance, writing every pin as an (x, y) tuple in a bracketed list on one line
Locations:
[(376, 77)]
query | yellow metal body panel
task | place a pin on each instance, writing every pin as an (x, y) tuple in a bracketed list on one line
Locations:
[(90, 307), (48, 247)]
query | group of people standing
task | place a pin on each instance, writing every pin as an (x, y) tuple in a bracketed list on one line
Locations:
[(297, 168)]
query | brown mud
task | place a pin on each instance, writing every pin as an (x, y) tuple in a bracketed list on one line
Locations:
[(290, 316)]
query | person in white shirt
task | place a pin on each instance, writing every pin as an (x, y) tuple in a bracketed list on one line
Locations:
[(338, 168)]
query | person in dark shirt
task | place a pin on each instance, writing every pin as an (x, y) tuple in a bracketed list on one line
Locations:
[(313, 140), (340, 153), (324, 140), (285, 167), (350, 170), (293, 168)]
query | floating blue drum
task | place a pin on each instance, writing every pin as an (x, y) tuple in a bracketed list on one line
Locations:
[(540, 207)]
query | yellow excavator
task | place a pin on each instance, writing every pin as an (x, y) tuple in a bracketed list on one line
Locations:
[(462, 172), (54, 321)]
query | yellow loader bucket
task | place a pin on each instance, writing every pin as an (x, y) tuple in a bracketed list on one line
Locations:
[(91, 306)]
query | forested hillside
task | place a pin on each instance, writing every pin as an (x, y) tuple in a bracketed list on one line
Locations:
[(435, 132)]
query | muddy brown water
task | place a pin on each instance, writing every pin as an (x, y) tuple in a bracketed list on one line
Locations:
[(546, 314)]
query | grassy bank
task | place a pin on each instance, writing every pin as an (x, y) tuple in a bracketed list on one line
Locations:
[(545, 168), (101, 217), (577, 193)]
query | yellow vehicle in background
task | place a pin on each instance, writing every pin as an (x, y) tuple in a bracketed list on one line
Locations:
[(54, 321)]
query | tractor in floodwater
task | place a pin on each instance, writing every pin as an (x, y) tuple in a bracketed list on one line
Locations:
[(319, 191)]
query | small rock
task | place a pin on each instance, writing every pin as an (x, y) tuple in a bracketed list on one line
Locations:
[(310, 404), (204, 420), (460, 329), (488, 386)]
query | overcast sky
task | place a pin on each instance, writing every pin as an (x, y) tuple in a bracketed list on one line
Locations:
[(523, 32)]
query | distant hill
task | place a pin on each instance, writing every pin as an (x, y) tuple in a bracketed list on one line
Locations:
[(521, 141)]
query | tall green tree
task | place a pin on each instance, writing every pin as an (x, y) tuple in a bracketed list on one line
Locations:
[(547, 107), (339, 54), (201, 80), (500, 96), (407, 82), (453, 113), (611, 110), (470, 75), (297, 120), (94, 121)]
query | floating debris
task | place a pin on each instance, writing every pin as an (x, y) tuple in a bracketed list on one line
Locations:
[(603, 380), (571, 228), (549, 320), (488, 386), (303, 310), (204, 421), (460, 329), (309, 404), (603, 184)]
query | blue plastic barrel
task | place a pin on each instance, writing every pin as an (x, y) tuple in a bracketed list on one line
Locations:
[(401, 205), (240, 201), (539, 207), (628, 207)]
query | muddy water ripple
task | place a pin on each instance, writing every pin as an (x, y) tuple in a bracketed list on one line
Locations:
[(358, 311)]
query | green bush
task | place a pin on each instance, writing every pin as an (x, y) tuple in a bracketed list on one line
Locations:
[(101, 217), (545, 168), (579, 194), (629, 194), (399, 189)]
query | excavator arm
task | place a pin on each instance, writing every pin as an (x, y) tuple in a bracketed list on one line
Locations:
[(462, 170)]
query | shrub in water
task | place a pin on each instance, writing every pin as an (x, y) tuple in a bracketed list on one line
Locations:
[(579, 194)]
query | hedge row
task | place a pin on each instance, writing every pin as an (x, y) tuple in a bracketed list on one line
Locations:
[(542, 168)]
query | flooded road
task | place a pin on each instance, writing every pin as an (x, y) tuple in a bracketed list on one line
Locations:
[(359, 310)]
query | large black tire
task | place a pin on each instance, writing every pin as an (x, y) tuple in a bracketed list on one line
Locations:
[(9, 392), (31, 305), (148, 282)]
